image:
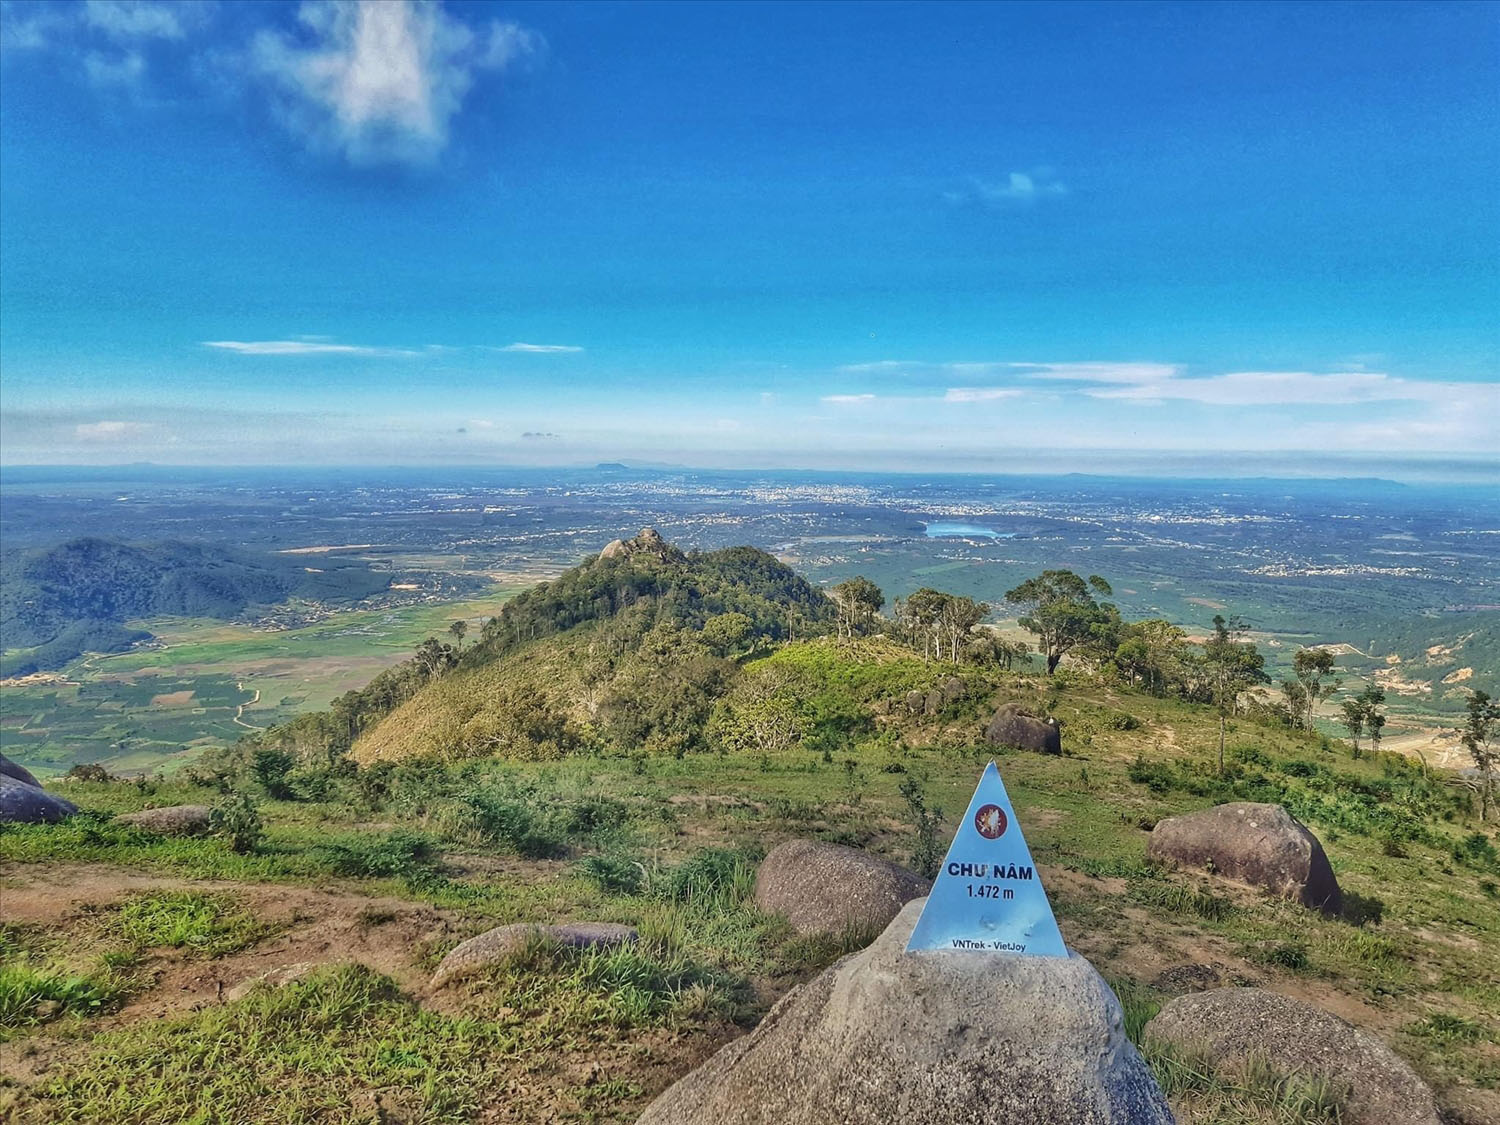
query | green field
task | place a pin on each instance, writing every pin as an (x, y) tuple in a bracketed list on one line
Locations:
[(128, 713)]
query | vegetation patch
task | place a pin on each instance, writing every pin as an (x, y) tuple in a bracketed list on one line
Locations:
[(205, 925)]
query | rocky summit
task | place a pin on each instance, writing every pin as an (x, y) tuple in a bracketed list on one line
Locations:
[(932, 1038)]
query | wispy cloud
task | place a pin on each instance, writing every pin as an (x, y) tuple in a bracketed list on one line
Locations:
[(304, 346), (981, 394), (1016, 188), (541, 349), (132, 20), (380, 81), (112, 431), (848, 400), (539, 435)]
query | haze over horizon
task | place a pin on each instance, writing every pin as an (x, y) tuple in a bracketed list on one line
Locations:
[(907, 237)]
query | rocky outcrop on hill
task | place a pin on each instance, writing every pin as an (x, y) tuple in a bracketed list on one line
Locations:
[(24, 801), (648, 542), (827, 888), (1015, 727), (935, 698), (931, 1038), (174, 820), (503, 942), (1263, 845), (1232, 1026)]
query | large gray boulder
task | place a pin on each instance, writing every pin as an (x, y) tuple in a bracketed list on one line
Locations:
[(496, 946), (21, 803), (1013, 726), (827, 888), (17, 772), (174, 820), (933, 1038), (1263, 845), (1231, 1026)]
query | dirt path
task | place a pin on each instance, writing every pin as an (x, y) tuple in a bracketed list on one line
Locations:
[(311, 926), (240, 710)]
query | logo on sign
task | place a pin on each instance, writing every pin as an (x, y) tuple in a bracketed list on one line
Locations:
[(990, 822)]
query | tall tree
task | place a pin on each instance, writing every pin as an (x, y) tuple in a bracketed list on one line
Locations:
[(1061, 609), (957, 619), (1362, 714), (923, 611), (1234, 665), (858, 601), (1303, 694), (1479, 729), (458, 629)]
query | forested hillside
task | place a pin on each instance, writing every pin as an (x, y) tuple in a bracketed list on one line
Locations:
[(61, 601)]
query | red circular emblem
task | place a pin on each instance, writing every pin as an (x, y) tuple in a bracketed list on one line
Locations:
[(990, 821)]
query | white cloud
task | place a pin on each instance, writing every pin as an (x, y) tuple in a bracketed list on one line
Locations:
[(381, 80), (137, 19), (481, 424), (1127, 372), (1016, 188), (848, 400), (1284, 388), (303, 346), (541, 349), (980, 394), (124, 70), (111, 431)]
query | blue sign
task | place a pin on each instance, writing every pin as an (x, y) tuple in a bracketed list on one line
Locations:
[(988, 896)]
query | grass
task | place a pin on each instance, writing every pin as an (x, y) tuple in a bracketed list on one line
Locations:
[(659, 843), (206, 925), (32, 994)]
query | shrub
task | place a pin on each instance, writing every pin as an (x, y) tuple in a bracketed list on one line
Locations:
[(399, 854), (927, 850), (614, 874), (235, 818)]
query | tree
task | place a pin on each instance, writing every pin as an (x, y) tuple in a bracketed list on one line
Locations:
[(989, 647), (957, 618), (434, 658), (920, 615), (1151, 653), (1061, 609), (1234, 665), (1362, 713), (858, 601), (458, 629), (726, 633), (1478, 730), (1307, 690)]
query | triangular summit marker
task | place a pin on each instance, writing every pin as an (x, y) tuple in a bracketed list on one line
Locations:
[(988, 896)]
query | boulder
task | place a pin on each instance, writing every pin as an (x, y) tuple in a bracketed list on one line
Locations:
[(933, 703), (1258, 844), (827, 888), (17, 772), (1012, 726), (954, 689), (21, 803), (916, 701), (930, 1038), (648, 542), (1232, 1025), (503, 942), (174, 820)]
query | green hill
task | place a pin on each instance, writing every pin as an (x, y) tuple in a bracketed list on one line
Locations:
[(60, 601)]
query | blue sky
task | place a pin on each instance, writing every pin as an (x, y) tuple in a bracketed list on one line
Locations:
[(849, 235)]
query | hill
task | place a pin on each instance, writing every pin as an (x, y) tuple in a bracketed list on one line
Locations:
[(58, 602)]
